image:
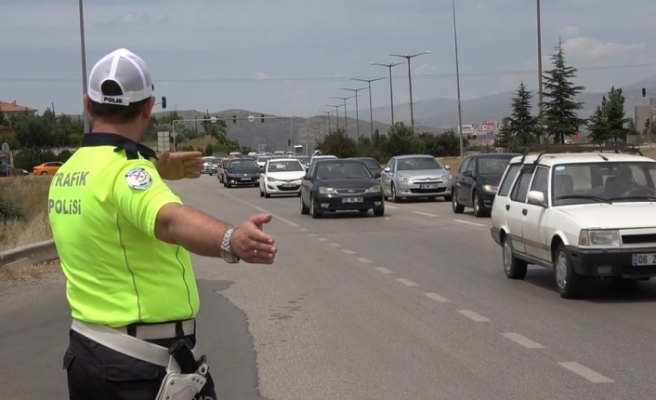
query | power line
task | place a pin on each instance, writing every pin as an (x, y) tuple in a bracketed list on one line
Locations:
[(332, 79)]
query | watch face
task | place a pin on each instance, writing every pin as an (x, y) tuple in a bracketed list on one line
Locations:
[(228, 256)]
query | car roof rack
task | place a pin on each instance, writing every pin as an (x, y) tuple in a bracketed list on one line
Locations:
[(544, 149)]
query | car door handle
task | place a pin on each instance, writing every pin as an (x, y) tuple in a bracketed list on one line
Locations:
[(524, 211), (507, 207)]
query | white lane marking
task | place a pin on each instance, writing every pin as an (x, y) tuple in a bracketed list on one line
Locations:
[(426, 214), (384, 270), (437, 298), (522, 340), (313, 234), (334, 244), (347, 251), (392, 207), (407, 282), (288, 222), (365, 260), (304, 230), (323, 239), (587, 373), (473, 316), (468, 223)]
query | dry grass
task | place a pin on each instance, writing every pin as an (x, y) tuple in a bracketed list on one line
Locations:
[(31, 273), (28, 195)]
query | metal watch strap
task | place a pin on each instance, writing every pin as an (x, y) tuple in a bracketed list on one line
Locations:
[(227, 252)]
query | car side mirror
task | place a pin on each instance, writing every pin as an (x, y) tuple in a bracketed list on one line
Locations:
[(387, 169), (447, 167), (537, 198), (467, 173), (377, 175)]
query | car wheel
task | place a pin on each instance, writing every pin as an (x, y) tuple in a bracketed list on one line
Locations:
[(513, 266), (313, 211), (44, 173), (304, 210), (379, 212), (394, 198), (261, 192), (476, 203), (568, 282), (455, 206), (447, 197)]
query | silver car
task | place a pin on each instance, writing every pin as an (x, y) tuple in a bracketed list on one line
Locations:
[(416, 175)]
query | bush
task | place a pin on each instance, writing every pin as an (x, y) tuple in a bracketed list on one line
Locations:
[(23, 211)]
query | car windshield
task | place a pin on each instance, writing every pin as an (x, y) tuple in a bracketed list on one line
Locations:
[(345, 170), (240, 165), (606, 182), (263, 159), (418, 163), (284, 166), (492, 165), (371, 163)]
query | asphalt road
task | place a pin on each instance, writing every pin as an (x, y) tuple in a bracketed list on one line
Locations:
[(412, 305)]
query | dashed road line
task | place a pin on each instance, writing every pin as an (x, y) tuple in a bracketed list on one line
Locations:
[(392, 207), (407, 282), (437, 298), (585, 372), (426, 214), (365, 260), (347, 251), (313, 234), (468, 223), (384, 270), (323, 239), (304, 230), (522, 340), (473, 316), (288, 222), (333, 244)]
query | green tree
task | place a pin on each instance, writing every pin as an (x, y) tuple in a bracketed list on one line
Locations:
[(615, 115), (597, 123), (522, 124), (216, 129), (338, 144), (560, 118)]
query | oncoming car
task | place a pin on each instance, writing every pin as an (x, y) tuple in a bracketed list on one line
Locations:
[(281, 176), (241, 172), (583, 215)]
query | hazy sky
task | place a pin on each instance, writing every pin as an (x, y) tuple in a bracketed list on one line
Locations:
[(290, 56)]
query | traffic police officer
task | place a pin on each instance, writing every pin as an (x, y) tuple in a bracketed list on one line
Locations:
[(124, 241)]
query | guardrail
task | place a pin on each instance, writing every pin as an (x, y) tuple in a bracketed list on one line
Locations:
[(30, 254)]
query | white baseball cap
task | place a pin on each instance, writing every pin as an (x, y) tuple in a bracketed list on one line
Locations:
[(129, 72)]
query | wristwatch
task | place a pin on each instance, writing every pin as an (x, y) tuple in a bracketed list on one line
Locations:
[(226, 248)]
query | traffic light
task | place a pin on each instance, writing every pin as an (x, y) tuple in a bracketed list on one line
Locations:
[(644, 92), (163, 102), (234, 119), (262, 118)]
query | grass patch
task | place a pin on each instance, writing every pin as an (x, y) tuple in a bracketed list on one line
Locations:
[(31, 273), (23, 211)]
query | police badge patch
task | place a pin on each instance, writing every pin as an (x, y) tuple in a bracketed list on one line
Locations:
[(138, 178)]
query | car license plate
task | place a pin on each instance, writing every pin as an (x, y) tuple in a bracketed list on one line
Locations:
[(352, 200), (428, 186), (644, 259), (244, 179), (287, 185)]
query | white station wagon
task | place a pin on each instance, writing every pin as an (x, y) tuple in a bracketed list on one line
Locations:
[(583, 215)]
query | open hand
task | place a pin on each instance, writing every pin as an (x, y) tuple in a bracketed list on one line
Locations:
[(179, 165), (251, 244)]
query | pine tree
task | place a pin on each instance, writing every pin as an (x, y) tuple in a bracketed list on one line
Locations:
[(597, 124), (523, 125), (560, 117), (615, 116)]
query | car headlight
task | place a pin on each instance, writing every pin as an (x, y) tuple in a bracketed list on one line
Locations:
[(373, 189), (490, 188), (271, 179), (449, 177), (404, 179), (325, 190), (599, 238)]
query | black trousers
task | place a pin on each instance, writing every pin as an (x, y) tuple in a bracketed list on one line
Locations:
[(96, 372)]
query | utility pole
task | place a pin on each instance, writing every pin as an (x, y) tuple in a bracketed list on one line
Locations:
[(336, 113), (390, 66), (345, 114), (371, 108), (87, 121), (408, 58), (455, 39)]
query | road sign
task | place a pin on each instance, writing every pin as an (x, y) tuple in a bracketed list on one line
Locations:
[(5, 147), (251, 118), (174, 134), (261, 148), (213, 119)]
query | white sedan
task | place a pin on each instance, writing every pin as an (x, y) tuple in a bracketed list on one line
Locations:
[(281, 176)]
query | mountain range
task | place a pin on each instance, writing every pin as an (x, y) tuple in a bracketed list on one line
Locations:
[(434, 115)]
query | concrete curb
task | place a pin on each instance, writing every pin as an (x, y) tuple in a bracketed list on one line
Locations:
[(27, 255)]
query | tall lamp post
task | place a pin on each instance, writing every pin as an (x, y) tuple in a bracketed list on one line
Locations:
[(455, 40), (371, 108), (390, 66), (336, 113), (345, 116), (408, 58), (539, 66), (84, 66), (328, 113), (357, 108)]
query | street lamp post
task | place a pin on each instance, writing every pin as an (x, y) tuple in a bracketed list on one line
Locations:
[(84, 66), (390, 66), (357, 108), (371, 108), (539, 66), (408, 58), (326, 112), (336, 113), (455, 40), (345, 113)]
